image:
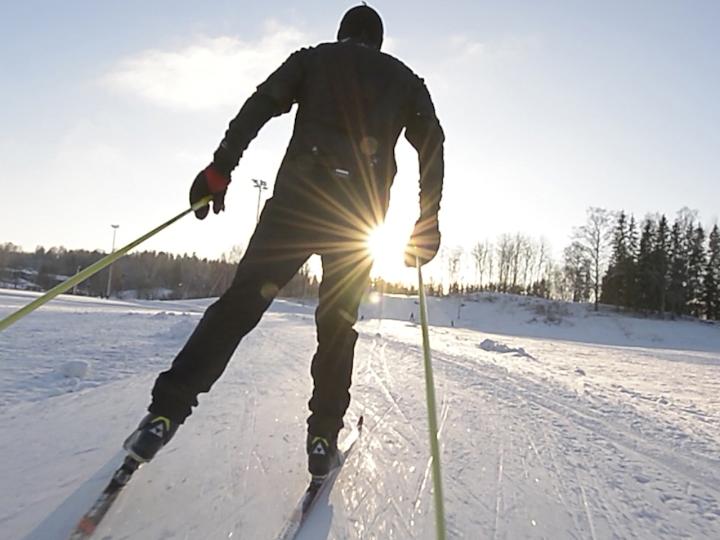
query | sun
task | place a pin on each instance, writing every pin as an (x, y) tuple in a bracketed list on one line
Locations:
[(386, 245)]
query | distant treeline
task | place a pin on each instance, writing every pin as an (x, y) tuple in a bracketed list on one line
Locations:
[(149, 275), (650, 266), (146, 275)]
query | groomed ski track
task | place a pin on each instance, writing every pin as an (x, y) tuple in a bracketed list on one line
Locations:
[(541, 437)]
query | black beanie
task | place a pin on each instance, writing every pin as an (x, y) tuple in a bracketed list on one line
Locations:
[(363, 24)]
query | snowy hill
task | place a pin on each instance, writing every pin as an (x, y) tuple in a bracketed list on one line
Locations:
[(556, 422)]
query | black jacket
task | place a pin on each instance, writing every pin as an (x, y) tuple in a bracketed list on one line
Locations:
[(353, 103)]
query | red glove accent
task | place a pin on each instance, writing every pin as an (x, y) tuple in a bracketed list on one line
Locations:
[(209, 182), (216, 182)]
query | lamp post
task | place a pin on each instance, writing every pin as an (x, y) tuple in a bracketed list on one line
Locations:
[(107, 292), (260, 185)]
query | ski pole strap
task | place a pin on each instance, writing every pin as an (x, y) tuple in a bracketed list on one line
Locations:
[(432, 410), (94, 268)]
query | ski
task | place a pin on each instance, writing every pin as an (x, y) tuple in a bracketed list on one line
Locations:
[(89, 522), (317, 488)]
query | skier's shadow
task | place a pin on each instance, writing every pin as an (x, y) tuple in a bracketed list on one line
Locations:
[(62, 521)]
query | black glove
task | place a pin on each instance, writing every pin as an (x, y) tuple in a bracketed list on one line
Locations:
[(209, 181), (424, 241)]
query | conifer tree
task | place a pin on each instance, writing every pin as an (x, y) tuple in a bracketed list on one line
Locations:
[(660, 258), (630, 277), (696, 269), (678, 270), (645, 274), (613, 282), (712, 276), (620, 239)]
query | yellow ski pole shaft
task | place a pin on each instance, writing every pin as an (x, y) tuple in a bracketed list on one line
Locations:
[(95, 268), (432, 410)]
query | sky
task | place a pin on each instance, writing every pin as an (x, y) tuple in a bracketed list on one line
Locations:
[(109, 110)]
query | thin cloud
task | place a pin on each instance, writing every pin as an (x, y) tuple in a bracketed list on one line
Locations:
[(211, 72), (465, 48)]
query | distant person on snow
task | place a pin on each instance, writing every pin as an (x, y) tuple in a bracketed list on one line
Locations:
[(331, 190)]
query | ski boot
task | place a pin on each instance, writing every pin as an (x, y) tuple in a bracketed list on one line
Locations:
[(323, 455), (151, 435)]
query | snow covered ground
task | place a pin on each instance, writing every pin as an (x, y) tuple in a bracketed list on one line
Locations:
[(556, 422)]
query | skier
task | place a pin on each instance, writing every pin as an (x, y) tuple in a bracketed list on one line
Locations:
[(331, 189)]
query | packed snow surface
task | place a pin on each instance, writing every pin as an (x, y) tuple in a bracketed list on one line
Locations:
[(556, 422)]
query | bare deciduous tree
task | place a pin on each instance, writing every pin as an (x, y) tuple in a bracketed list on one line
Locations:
[(482, 255), (454, 260), (594, 239), (577, 272), (542, 260), (505, 249), (528, 254)]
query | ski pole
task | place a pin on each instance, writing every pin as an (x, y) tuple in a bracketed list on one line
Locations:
[(95, 268), (432, 410)]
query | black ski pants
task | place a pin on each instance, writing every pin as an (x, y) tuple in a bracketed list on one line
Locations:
[(283, 240)]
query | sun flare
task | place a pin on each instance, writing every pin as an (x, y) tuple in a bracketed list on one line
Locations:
[(386, 244)]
